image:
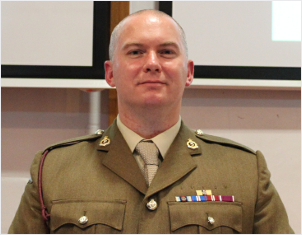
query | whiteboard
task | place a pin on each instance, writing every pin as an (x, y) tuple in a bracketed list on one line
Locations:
[(234, 33), (46, 33)]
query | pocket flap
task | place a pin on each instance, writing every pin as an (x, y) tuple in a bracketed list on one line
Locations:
[(197, 213), (110, 213)]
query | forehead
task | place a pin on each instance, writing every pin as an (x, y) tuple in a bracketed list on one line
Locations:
[(149, 27)]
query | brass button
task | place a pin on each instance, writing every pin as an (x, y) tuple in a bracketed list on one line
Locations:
[(99, 132), (83, 220), (211, 220), (199, 132), (152, 205)]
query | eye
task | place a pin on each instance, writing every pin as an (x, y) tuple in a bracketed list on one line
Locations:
[(135, 52), (167, 52)]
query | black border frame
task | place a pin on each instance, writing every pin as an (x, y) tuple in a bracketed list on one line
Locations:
[(101, 37), (239, 72)]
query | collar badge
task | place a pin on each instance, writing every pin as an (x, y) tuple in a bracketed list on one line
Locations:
[(192, 144), (105, 141)]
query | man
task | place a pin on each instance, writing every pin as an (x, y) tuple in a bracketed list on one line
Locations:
[(110, 183)]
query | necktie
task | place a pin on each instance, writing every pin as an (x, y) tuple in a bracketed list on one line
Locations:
[(149, 153)]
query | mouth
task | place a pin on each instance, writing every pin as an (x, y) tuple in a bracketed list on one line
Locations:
[(152, 82)]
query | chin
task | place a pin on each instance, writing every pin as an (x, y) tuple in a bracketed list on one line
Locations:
[(154, 100)]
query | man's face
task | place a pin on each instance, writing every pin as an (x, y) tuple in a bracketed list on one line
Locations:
[(149, 65)]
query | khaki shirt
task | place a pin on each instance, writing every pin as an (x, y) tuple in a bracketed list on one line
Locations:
[(163, 141)]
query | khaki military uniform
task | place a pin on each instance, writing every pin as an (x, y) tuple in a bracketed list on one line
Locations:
[(104, 186)]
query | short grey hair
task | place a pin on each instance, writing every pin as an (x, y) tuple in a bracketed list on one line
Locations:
[(117, 31)]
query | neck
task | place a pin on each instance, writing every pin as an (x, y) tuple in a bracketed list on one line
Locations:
[(149, 122)]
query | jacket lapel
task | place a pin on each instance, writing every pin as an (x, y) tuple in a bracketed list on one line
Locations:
[(120, 160), (177, 163)]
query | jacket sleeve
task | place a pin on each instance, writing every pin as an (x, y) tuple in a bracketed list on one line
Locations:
[(28, 218), (270, 215)]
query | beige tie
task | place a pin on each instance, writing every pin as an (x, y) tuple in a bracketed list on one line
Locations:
[(149, 153)]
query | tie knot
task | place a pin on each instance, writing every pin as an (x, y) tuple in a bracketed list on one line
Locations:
[(148, 152)]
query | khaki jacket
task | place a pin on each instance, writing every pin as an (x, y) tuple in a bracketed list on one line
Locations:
[(105, 184)]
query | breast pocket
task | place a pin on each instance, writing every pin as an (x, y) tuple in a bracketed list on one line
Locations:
[(205, 217), (77, 216)]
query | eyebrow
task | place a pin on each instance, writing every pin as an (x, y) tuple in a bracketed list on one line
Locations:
[(124, 47), (170, 44)]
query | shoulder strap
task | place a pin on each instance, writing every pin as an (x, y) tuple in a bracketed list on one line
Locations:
[(223, 141)]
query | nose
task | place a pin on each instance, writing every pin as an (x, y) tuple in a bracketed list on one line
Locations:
[(152, 63)]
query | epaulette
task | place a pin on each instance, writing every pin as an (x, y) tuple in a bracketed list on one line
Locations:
[(76, 140), (219, 140)]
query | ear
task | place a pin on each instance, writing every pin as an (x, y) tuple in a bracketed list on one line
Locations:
[(109, 73), (190, 74)]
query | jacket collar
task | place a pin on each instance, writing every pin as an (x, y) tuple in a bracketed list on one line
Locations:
[(177, 163), (120, 160)]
